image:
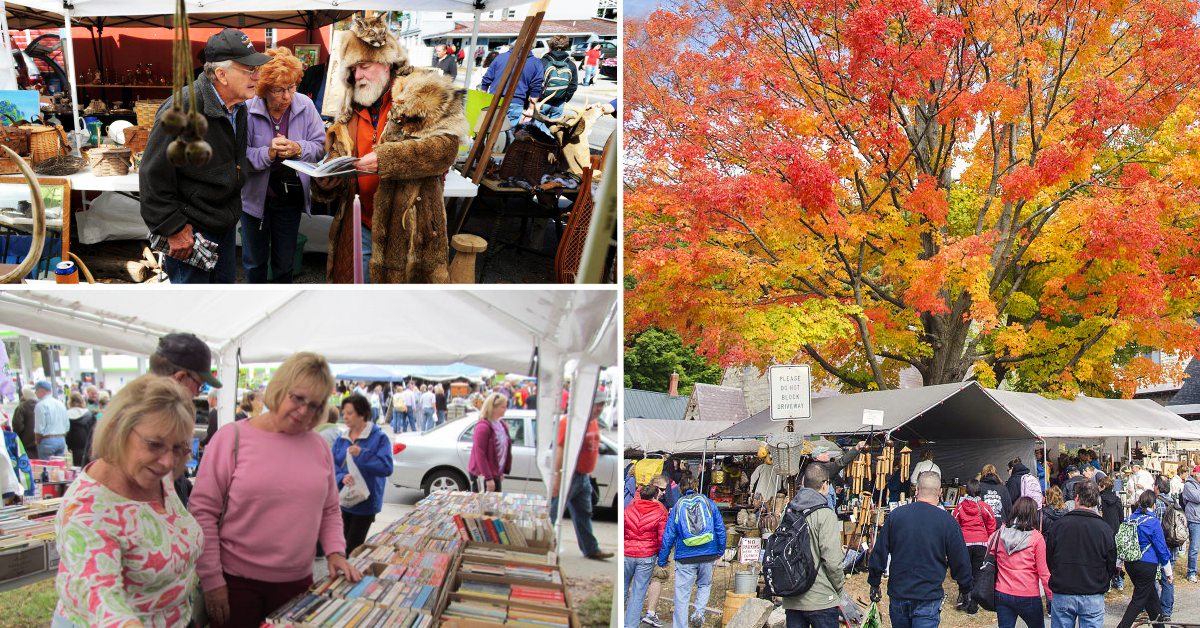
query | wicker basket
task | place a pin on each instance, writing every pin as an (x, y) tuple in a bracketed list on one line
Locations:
[(46, 142), (145, 110), (136, 138), (16, 138), (63, 166), (528, 159), (8, 165), (109, 161)]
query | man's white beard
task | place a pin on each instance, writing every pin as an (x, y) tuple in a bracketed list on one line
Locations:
[(366, 93)]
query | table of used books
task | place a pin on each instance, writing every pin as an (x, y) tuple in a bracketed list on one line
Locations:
[(27, 550), (459, 560)]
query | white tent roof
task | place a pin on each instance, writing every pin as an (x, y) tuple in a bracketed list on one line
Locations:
[(1092, 418), (494, 328), (98, 8), (681, 437)]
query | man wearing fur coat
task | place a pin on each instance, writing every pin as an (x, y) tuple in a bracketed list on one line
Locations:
[(405, 126)]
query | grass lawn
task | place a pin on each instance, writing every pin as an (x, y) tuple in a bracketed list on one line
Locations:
[(30, 605)]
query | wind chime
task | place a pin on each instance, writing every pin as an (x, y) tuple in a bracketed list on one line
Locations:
[(885, 464), (860, 472), (189, 149), (905, 458)]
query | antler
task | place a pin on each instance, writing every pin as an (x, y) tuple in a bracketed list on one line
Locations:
[(39, 223)]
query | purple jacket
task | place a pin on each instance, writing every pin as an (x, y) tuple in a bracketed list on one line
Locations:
[(484, 461), (304, 127)]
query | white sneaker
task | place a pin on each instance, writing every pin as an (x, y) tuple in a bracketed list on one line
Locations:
[(1192, 578), (652, 619)]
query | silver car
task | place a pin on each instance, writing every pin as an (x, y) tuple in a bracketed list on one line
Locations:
[(437, 460)]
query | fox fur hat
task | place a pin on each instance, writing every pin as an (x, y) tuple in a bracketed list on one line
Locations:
[(367, 40)]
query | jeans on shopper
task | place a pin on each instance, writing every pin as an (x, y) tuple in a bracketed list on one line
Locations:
[(637, 580), (441, 417), (51, 446), (271, 239), (410, 421), (1193, 547), (824, 618), (907, 613), (397, 421), (589, 75), (1088, 610), (366, 252), (427, 424), (550, 111), (1166, 593), (686, 575), (224, 272), (1010, 607), (579, 504)]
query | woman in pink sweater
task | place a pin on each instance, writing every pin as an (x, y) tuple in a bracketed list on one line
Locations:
[(1020, 568), (264, 496), (491, 451)]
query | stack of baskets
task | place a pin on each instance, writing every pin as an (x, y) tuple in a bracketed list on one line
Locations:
[(109, 161), (787, 451)]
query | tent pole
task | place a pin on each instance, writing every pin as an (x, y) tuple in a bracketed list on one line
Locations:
[(603, 225), (8, 64), (70, 59), (469, 57)]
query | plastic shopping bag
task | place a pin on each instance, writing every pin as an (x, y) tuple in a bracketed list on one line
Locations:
[(873, 620), (850, 610), (356, 492)]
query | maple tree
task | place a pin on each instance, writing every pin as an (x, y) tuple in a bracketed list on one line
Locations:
[(990, 189)]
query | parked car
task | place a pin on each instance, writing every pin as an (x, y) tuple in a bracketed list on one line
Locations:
[(436, 460)]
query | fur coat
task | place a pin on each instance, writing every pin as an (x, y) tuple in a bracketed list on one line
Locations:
[(418, 146)]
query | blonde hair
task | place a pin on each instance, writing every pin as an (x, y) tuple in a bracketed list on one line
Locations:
[(1054, 498), (494, 399), (76, 401), (283, 70), (305, 369), (149, 397)]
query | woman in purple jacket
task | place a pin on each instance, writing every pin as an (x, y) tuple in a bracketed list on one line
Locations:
[(491, 453), (281, 125)]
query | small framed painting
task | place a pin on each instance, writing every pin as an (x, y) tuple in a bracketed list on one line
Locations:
[(309, 54)]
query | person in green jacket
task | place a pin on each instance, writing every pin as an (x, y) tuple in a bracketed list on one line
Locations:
[(819, 607)]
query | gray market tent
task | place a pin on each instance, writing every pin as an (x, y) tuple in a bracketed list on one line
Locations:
[(682, 437), (966, 423)]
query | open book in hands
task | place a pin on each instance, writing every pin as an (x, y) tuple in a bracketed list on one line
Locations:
[(338, 167)]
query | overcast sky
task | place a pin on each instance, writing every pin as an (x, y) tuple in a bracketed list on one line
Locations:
[(639, 8)]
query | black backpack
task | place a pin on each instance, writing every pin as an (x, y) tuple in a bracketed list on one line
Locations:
[(789, 566)]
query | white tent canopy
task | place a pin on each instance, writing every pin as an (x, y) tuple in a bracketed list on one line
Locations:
[(99, 8), (681, 437)]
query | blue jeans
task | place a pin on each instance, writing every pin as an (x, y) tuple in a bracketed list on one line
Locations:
[(550, 111), (907, 613), (1010, 607), (1166, 593), (410, 421), (397, 422), (1193, 547), (441, 417), (589, 74), (515, 110), (52, 446), (637, 580), (366, 251), (686, 575), (272, 239), (427, 423), (579, 504), (224, 272), (1088, 610), (825, 618)]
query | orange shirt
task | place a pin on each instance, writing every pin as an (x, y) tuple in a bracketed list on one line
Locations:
[(590, 453), (364, 143)]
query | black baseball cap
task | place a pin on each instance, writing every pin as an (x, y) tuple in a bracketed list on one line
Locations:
[(186, 351), (233, 45)]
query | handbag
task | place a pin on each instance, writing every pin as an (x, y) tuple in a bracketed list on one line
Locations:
[(357, 492), (984, 589)]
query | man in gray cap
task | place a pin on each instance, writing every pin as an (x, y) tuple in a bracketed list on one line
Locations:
[(185, 359), (50, 422), (179, 202)]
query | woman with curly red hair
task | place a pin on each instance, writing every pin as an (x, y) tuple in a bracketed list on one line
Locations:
[(281, 125)]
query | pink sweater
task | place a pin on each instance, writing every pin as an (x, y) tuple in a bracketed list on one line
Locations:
[(281, 502), (1019, 573)]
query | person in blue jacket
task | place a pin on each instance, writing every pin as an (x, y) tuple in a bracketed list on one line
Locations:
[(1144, 572), (529, 83), (693, 559), (371, 450), (631, 486)]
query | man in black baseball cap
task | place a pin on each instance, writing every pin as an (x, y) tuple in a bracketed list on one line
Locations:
[(185, 359), (179, 202)]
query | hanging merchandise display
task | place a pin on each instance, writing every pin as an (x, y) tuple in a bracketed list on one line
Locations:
[(190, 147), (905, 458)]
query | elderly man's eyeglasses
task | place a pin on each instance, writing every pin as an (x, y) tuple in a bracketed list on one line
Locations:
[(305, 404), (279, 91), (158, 447), (253, 72)]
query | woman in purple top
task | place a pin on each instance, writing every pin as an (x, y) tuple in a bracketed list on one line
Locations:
[(491, 453), (281, 125)]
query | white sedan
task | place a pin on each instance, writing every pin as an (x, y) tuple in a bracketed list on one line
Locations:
[(436, 460)]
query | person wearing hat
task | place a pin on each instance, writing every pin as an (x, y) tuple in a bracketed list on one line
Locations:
[(185, 359), (1191, 510), (50, 422), (405, 127), (178, 203)]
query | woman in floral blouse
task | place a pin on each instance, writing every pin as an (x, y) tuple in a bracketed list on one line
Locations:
[(127, 546)]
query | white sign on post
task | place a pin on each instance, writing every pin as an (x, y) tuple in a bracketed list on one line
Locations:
[(790, 392), (873, 417), (750, 550)]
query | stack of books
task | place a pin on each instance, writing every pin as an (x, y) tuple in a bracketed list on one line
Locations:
[(314, 610), (513, 571)]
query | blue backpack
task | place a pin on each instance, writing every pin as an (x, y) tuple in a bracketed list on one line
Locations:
[(695, 521)]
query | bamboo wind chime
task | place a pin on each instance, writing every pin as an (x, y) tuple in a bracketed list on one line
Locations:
[(885, 465), (905, 458), (860, 472)]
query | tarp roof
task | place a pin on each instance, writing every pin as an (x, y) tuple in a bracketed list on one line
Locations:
[(681, 437), (497, 329), (646, 404), (968, 411), (96, 8)]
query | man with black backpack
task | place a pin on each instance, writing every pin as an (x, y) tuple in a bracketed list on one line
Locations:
[(696, 533), (1081, 552), (559, 81), (811, 583), (921, 539)]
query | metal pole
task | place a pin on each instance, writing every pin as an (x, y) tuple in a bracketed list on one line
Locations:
[(69, 57), (469, 57), (603, 226)]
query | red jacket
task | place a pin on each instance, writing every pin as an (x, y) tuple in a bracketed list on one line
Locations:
[(1019, 573), (645, 520), (976, 520)]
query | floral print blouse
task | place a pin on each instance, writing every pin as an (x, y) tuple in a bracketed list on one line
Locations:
[(122, 562)]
